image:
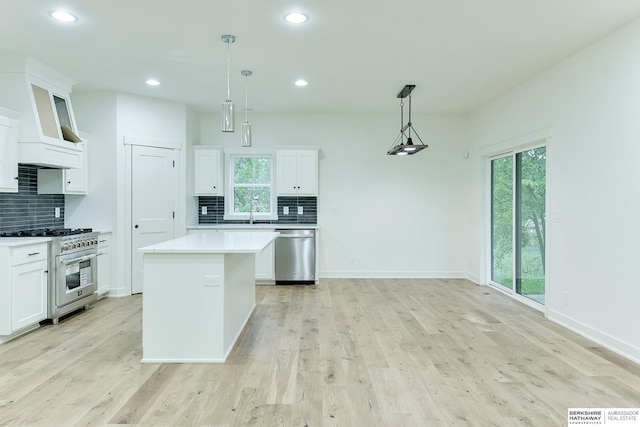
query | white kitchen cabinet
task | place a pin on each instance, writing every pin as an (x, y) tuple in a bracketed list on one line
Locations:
[(23, 288), (207, 167), (8, 154), (297, 172), (65, 181), (265, 260), (104, 264)]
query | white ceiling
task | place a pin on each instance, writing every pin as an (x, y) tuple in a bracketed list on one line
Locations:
[(356, 54)]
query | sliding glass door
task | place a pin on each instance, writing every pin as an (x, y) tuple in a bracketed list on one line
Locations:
[(518, 222), (502, 221)]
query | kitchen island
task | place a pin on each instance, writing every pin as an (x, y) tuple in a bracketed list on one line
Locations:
[(199, 291)]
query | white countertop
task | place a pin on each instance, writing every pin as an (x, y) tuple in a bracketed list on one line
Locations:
[(223, 242), (22, 241), (253, 226)]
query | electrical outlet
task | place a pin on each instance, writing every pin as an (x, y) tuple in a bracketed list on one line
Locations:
[(285, 210), (56, 212), (204, 210), (211, 281), (300, 210)]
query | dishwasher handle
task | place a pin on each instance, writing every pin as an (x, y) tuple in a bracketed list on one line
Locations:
[(296, 236)]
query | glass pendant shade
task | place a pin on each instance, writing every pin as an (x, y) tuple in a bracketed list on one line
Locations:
[(245, 137), (246, 134), (228, 117)]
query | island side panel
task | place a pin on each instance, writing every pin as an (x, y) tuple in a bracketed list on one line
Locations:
[(240, 295), (183, 308)]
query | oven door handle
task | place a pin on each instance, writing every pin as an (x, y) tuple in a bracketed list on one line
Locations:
[(80, 259)]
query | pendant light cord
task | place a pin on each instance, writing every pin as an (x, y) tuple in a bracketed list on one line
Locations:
[(228, 61), (246, 98)]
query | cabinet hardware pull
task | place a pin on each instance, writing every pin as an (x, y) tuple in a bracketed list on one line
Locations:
[(33, 253), (68, 182), (16, 177), (46, 272)]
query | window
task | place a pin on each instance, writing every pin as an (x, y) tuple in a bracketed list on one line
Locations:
[(250, 187)]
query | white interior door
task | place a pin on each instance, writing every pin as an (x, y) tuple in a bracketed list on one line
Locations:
[(153, 180)]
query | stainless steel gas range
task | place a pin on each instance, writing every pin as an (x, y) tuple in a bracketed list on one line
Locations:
[(73, 268)]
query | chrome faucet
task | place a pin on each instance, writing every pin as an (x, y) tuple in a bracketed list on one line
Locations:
[(254, 205)]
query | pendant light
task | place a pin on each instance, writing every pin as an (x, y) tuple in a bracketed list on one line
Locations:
[(245, 137), (403, 144), (228, 114)]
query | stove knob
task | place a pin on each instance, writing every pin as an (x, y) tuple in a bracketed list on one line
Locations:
[(64, 247), (95, 241)]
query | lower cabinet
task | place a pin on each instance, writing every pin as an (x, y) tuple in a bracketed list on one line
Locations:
[(265, 261), (104, 264), (23, 288)]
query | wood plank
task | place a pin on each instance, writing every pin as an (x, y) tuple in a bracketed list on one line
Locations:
[(402, 352)]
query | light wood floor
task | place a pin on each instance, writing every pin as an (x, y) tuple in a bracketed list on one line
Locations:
[(343, 353)]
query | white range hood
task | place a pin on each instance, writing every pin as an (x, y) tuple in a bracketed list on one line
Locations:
[(41, 95)]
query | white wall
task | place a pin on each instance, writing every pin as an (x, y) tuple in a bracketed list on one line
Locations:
[(591, 102), (96, 114), (110, 118), (379, 215)]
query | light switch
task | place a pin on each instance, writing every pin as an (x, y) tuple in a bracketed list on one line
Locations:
[(285, 210), (300, 210)]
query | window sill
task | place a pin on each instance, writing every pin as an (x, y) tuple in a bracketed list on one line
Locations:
[(245, 217)]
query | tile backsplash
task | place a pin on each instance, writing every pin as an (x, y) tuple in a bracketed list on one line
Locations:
[(27, 209), (215, 211)]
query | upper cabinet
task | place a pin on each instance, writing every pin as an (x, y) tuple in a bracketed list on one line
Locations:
[(47, 133), (297, 172), (65, 181), (207, 162), (8, 151)]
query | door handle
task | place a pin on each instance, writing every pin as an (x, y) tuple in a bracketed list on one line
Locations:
[(80, 259)]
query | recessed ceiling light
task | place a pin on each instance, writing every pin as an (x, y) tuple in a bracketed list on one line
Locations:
[(296, 18), (152, 82), (63, 16), (301, 82)]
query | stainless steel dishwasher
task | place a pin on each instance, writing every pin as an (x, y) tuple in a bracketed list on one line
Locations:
[(296, 257)]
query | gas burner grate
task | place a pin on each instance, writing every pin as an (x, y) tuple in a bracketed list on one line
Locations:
[(46, 232)]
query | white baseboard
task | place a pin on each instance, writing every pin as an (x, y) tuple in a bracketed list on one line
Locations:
[(118, 293), (599, 337), (393, 275)]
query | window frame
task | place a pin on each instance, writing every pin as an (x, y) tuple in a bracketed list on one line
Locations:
[(229, 214)]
